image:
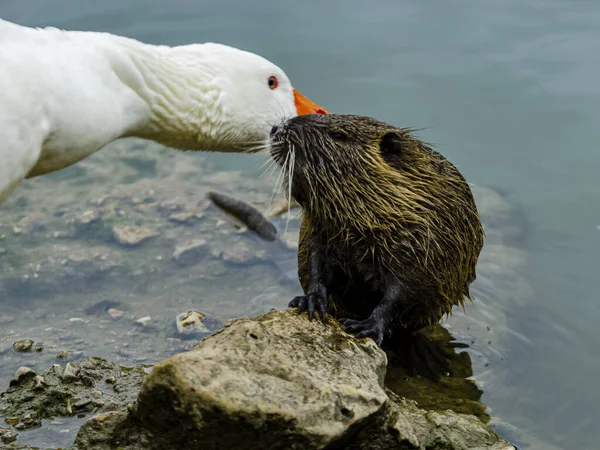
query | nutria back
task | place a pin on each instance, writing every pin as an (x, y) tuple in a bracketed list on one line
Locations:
[(390, 235)]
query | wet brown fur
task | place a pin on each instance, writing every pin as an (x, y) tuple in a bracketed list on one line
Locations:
[(383, 205)]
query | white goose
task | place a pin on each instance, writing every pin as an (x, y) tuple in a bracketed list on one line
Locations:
[(66, 94)]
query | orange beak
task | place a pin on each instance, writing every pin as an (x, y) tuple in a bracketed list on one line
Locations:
[(306, 106)]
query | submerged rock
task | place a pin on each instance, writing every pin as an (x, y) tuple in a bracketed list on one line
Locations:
[(66, 391), (279, 381), (24, 345), (132, 236), (191, 323)]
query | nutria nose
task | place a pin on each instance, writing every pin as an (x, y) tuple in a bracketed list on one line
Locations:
[(276, 131)]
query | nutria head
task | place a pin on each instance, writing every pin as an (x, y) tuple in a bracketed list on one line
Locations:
[(363, 172)]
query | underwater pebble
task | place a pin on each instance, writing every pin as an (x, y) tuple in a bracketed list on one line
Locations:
[(23, 345), (190, 323), (115, 313), (144, 320), (184, 217), (131, 236), (189, 251), (2, 250)]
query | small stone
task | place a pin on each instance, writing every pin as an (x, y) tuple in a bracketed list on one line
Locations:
[(144, 320), (96, 393), (190, 251), (184, 217), (28, 421), (39, 346), (69, 355), (87, 217), (40, 382), (58, 370), (111, 380), (7, 435), (2, 250), (77, 319), (70, 373), (23, 345), (191, 323), (12, 420), (82, 403), (21, 375), (131, 236), (115, 313)]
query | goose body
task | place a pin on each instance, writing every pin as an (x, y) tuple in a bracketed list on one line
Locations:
[(66, 94)]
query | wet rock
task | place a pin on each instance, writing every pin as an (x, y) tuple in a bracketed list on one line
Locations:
[(30, 420), (299, 382), (70, 373), (38, 347), (132, 236), (405, 426), (2, 251), (22, 375), (191, 324), (40, 382), (7, 435), (190, 252), (22, 346)]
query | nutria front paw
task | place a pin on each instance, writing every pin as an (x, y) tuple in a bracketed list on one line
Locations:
[(309, 302), (365, 328)]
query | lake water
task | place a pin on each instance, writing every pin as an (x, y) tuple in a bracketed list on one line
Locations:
[(507, 90)]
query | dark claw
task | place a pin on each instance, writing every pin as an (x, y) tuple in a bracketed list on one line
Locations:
[(295, 302), (310, 302), (364, 328)]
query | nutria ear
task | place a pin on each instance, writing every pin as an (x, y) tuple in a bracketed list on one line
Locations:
[(390, 144)]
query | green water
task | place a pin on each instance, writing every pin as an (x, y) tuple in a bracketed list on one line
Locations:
[(507, 90)]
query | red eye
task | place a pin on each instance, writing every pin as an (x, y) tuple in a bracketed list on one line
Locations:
[(273, 83)]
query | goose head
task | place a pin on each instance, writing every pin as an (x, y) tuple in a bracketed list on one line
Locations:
[(229, 102)]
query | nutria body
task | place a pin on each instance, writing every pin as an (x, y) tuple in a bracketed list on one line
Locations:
[(390, 234)]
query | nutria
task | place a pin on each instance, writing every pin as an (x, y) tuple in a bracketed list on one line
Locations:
[(390, 233)]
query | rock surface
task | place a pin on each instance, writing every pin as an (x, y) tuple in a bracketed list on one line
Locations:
[(278, 381)]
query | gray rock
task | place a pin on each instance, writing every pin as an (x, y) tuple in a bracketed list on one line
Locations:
[(22, 374), (24, 345), (7, 435), (70, 373)]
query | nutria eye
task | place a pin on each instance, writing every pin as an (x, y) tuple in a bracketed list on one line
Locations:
[(338, 136), (273, 82)]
